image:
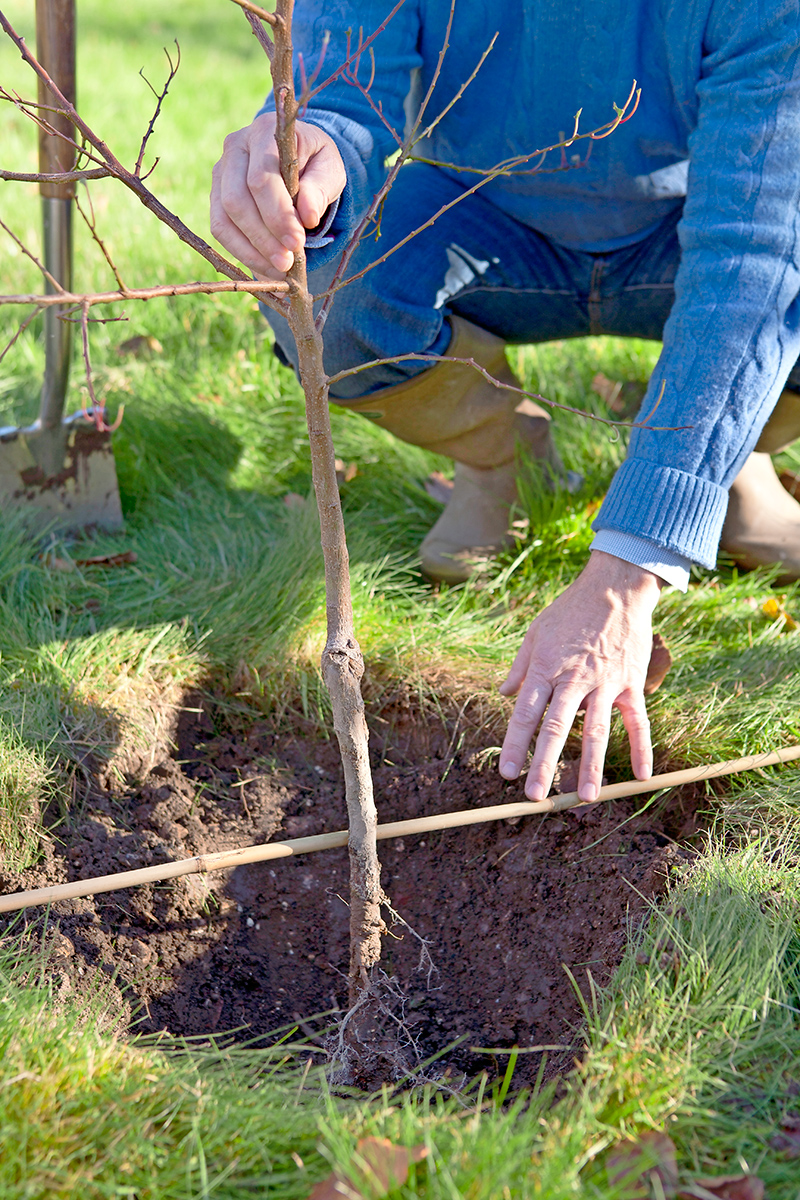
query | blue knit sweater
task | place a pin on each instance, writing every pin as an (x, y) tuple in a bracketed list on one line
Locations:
[(720, 84)]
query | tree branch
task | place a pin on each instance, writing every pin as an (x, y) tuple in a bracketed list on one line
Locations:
[(160, 98), (261, 13), (57, 177), (501, 169), (129, 178), (253, 287), (509, 387)]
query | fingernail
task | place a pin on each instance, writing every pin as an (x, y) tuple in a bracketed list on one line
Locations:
[(279, 262), (510, 770), (588, 793), (291, 242), (535, 791)]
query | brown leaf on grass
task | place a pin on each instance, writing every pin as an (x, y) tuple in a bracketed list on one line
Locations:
[(108, 560), (633, 1167), (607, 389), (724, 1187), (439, 487), (621, 398), (791, 482), (378, 1168), (54, 563), (659, 665), (98, 560), (141, 346), (787, 1142), (345, 471)]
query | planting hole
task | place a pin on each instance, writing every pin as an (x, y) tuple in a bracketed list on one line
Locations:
[(501, 907)]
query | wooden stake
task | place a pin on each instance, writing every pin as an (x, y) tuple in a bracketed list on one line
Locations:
[(327, 841)]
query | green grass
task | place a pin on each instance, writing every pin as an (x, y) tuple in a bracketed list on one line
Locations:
[(227, 591), (698, 1034)]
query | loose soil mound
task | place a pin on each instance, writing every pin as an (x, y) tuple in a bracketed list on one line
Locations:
[(502, 907)]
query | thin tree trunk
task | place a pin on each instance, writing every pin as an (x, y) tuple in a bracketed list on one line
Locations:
[(342, 662)]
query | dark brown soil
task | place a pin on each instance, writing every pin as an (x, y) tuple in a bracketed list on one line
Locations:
[(504, 907)]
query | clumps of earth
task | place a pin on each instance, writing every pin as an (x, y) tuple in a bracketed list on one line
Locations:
[(497, 910)]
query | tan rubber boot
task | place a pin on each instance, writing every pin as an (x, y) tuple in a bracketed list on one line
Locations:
[(762, 525), (451, 409)]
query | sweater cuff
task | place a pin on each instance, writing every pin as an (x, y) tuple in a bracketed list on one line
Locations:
[(675, 510), (672, 568)]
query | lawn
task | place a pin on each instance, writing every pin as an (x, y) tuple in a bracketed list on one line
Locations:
[(697, 1033)]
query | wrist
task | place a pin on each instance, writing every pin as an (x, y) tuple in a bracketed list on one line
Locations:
[(623, 577)]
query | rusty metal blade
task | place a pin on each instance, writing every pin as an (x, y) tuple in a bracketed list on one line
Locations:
[(83, 494)]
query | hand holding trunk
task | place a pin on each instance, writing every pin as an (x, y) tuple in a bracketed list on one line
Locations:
[(252, 214)]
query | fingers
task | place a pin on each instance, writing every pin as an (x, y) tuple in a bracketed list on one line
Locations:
[(637, 725), (561, 713), (596, 728), (528, 712), (227, 231), (264, 208), (252, 214)]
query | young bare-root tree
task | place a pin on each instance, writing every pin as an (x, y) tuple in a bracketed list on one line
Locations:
[(371, 994), (342, 661)]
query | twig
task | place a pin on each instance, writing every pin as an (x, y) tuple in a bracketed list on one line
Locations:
[(262, 13), (20, 330), (255, 287), (510, 387), (328, 841), (91, 224), (350, 59), (426, 99), (51, 279), (160, 98), (56, 177), (503, 168), (488, 178), (128, 178), (261, 34)]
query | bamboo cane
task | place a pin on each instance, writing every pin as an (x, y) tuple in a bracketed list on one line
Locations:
[(327, 841)]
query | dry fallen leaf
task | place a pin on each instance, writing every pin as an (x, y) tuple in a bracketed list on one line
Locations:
[(622, 398), (659, 665), (108, 560), (724, 1187), (439, 487), (774, 609), (787, 1142), (141, 346), (345, 471), (634, 1166), (54, 563), (378, 1168), (791, 482)]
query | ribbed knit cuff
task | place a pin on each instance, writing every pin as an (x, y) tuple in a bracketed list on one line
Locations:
[(672, 568), (669, 507)]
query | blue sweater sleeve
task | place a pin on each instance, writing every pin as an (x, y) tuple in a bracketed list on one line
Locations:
[(734, 331), (360, 126)]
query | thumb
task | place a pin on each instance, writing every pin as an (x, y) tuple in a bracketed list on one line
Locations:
[(322, 179)]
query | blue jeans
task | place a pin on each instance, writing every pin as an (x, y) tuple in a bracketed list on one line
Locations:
[(482, 265)]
